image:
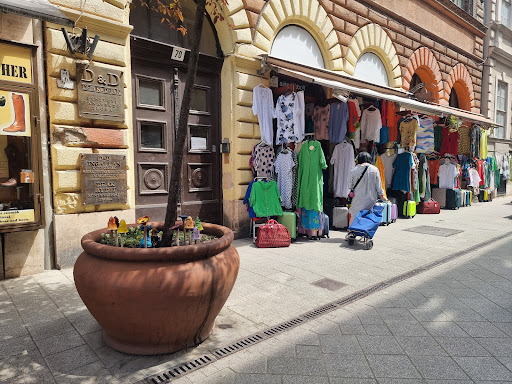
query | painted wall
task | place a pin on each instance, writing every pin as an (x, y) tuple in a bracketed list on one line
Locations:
[(71, 135)]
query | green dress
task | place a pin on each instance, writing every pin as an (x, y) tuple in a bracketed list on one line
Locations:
[(311, 180)]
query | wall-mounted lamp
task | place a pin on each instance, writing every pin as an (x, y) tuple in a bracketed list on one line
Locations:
[(80, 43), (225, 147)]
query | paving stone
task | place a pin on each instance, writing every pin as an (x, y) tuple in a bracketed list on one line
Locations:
[(438, 367), (25, 367), (340, 344), (395, 366), (308, 351), (291, 366), (484, 368), (444, 328), (248, 378), (497, 346), (461, 346), (395, 314), (421, 346), (347, 366), (380, 345), (15, 346), (377, 329), (429, 314), (71, 359), (59, 342), (400, 381), (407, 328), (463, 314), (352, 329), (305, 379), (481, 329)]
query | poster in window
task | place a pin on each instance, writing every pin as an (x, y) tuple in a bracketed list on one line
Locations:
[(14, 114)]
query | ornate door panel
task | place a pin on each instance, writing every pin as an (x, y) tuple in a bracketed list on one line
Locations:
[(201, 189), (153, 133)]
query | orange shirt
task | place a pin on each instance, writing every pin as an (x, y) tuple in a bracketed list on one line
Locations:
[(433, 167)]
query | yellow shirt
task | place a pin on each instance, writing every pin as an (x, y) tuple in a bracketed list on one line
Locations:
[(483, 145)]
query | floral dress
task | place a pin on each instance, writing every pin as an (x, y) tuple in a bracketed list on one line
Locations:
[(289, 113)]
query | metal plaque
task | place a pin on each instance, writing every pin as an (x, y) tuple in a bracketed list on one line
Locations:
[(100, 93), (103, 179)]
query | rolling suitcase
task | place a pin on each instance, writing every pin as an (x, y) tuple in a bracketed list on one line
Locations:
[(386, 212), (289, 220), (469, 197), (409, 210), (453, 199), (462, 198), (394, 212), (325, 232), (340, 217), (439, 195)]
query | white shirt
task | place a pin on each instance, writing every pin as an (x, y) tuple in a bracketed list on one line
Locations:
[(367, 191), (343, 160), (371, 123), (263, 106), (388, 168), (447, 174)]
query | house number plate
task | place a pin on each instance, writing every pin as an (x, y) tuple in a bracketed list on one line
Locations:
[(178, 54)]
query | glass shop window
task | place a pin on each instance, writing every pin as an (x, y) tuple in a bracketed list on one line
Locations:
[(19, 153)]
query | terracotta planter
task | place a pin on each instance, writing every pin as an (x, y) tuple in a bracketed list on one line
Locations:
[(154, 301)]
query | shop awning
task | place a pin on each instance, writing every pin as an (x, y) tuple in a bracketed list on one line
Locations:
[(37, 9), (354, 86)]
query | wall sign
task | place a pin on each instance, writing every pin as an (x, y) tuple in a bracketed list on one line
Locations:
[(17, 216), (103, 179), (15, 63), (100, 93)]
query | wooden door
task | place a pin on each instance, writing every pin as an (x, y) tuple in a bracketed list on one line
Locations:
[(153, 133), (157, 87), (201, 188)]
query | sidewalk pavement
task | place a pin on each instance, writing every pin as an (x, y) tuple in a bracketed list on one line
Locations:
[(453, 322)]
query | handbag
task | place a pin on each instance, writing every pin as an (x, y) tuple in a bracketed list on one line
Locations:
[(273, 235), (351, 193), (429, 206)]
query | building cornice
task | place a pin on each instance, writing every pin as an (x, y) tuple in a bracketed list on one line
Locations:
[(499, 54), (450, 9)]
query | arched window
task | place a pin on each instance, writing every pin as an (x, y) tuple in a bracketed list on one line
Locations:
[(454, 100), (415, 81), (295, 44), (370, 68)]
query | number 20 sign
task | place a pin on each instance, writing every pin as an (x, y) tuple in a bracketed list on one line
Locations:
[(178, 54)]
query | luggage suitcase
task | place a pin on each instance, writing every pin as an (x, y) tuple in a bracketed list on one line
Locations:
[(462, 198), (439, 195), (409, 210), (490, 194), (453, 199), (469, 197), (325, 232), (340, 217), (482, 196), (289, 220), (394, 212), (386, 212), (428, 207)]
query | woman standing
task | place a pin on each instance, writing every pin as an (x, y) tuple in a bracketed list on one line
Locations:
[(366, 184)]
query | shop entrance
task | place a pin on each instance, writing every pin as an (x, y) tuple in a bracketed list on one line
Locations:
[(158, 90)]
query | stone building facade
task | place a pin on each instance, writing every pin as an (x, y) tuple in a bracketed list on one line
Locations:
[(496, 81), (433, 42)]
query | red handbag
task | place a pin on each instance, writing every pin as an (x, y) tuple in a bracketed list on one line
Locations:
[(429, 206), (273, 235)]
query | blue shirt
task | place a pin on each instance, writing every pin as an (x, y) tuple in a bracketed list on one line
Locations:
[(338, 120), (402, 175)]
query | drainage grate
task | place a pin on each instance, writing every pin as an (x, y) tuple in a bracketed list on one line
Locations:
[(178, 370), (185, 368), (238, 345), (435, 231)]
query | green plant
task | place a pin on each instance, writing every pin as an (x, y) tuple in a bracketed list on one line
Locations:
[(131, 239)]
